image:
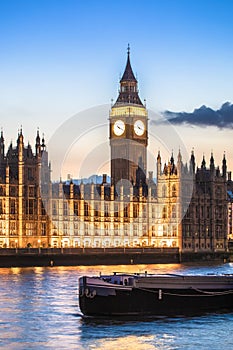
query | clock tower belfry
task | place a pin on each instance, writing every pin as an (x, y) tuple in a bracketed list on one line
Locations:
[(128, 132)]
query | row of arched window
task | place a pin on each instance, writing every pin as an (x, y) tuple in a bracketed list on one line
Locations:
[(173, 193)]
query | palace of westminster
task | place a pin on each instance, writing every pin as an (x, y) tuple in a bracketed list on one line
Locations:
[(187, 207)]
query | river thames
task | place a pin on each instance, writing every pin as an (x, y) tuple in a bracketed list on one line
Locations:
[(39, 310)]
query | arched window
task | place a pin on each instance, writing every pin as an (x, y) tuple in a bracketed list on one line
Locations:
[(164, 213), (173, 211), (164, 231), (164, 191), (174, 191)]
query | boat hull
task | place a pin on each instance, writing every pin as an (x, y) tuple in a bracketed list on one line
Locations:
[(128, 301)]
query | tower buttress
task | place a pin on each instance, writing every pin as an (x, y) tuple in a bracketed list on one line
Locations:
[(192, 163), (212, 163), (224, 167), (38, 145), (2, 146), (203, 164), (20, 146), (158, 165)]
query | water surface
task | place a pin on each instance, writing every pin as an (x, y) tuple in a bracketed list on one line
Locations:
[(39, 310)]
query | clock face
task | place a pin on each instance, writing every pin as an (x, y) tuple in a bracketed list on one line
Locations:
[(119, 127), (139, 127)]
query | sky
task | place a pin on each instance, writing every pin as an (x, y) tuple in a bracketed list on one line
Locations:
[(61, 58)]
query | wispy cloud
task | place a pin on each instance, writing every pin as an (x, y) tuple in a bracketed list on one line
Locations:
[(204, 116)]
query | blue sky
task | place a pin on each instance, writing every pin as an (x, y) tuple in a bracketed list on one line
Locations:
[(58, 58)]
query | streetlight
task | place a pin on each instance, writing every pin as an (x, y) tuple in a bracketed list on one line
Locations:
[(39, 245), (16, 246)]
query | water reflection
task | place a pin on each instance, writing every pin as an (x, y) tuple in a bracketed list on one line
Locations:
[(39, 309), (129, 342)]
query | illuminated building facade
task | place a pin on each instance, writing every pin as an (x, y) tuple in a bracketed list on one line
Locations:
[(186, 208)]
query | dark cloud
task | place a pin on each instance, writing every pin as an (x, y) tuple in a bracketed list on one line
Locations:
[(204, 116)]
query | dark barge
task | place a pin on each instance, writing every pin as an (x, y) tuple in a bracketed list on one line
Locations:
[(154, 295)]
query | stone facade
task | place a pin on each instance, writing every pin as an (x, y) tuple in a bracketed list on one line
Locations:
[(185, 207)]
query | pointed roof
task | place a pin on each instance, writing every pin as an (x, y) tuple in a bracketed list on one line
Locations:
[(203, 164), (128, 86), (1, 137), (224, 159), (38, 137), (128, 73)]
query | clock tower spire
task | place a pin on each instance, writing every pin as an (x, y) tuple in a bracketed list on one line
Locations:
[(128, 132), (128, 85)]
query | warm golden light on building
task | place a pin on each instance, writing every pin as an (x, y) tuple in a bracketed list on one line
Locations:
[(184, 208)]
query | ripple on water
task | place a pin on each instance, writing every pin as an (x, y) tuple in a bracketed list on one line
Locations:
[(39, 309)]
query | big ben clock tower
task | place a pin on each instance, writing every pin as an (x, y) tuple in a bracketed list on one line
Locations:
[(128, 132)]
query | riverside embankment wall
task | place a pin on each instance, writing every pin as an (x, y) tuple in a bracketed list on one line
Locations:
[(99, 256)]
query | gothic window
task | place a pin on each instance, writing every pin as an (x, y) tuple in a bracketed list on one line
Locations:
[(1, 207), (30, 174), (31, 191), (54, 230), (65, 228), (29, 207), (12, 206), (164, 231), (164, 213), (174, 191), (2, 191), (97, 244), (220, 212), (43, 229), (75, 208), (86, 209), (29, 228), (106, 231), (173, 211), (135, 210), (174, 231), (76, 231), (106, 212), (153, 211), (12, 191), (144, 230), (197, 211), (202, 212), (86, 229), (96, 232), (65, 208), (2, 227), (125, 212), (54, 208), (153, 231), (218, 192), (164, 191), (116, 210), (12, 228), (144, 212), (116, 228), (43, 211)]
